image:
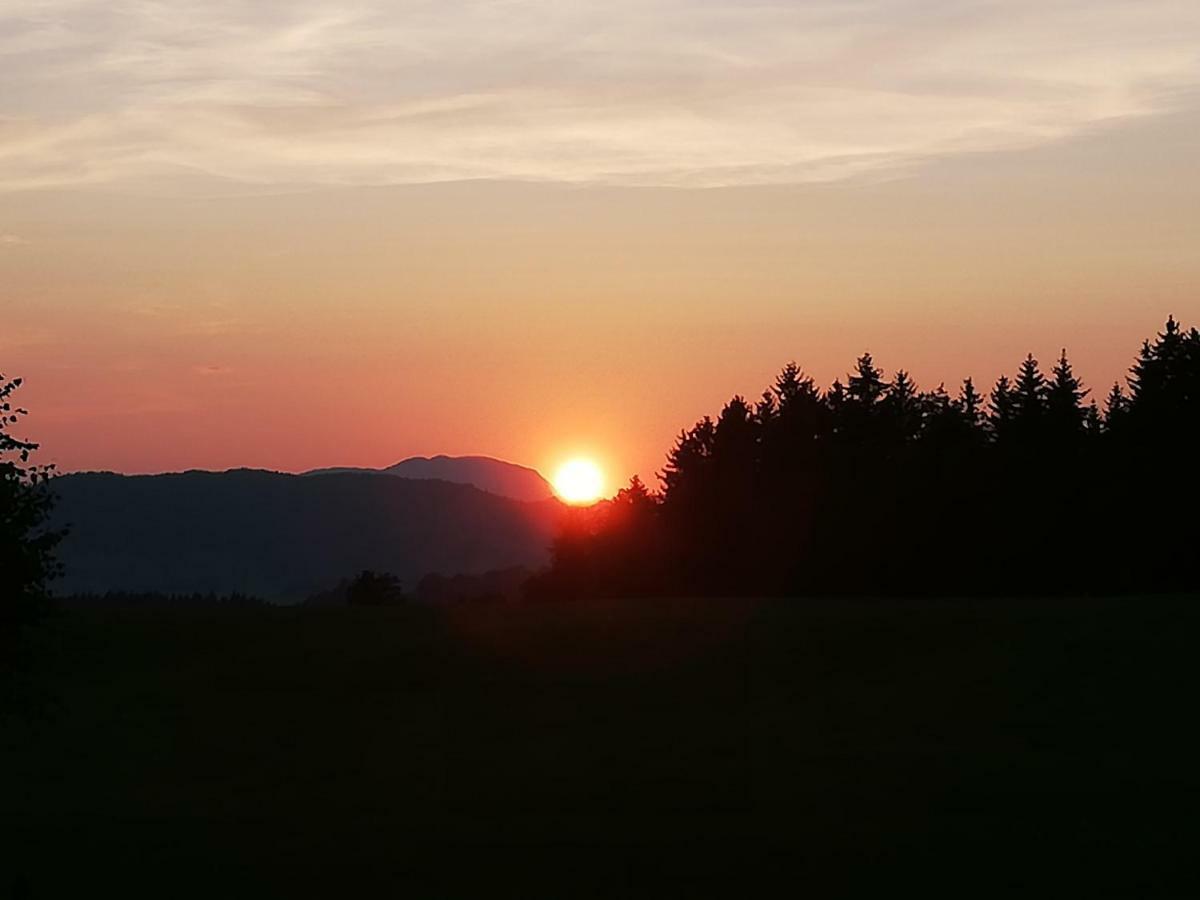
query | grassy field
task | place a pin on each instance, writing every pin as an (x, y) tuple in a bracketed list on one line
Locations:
[(626, 749)]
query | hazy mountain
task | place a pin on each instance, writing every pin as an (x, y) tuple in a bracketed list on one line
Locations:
[(285, 536), (492, 475)]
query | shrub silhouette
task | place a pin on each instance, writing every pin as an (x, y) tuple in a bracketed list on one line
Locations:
[(374, 589)]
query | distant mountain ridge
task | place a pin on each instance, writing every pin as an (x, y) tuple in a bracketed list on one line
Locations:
[(495, 476), (283, 537)]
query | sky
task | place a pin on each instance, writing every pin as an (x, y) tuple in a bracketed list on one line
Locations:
[(298, 234)]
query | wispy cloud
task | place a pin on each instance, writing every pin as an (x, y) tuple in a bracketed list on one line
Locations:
[(656, 92), (12, 240)]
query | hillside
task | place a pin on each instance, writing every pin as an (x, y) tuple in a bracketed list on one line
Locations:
[(492, 475), (284, 536)]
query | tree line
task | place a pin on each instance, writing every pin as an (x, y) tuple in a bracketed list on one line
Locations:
[(873, 486)]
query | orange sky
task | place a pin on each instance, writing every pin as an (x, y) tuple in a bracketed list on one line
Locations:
[(172, 304)]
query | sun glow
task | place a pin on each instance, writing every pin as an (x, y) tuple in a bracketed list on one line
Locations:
[(579, 481)]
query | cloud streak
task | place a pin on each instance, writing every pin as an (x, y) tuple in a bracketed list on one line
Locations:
[(652, 92)]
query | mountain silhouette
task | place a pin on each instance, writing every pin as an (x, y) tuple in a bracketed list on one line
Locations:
[(282, 537), (492, 475)]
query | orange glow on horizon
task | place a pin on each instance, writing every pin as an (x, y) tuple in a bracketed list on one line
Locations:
[(537, 324)]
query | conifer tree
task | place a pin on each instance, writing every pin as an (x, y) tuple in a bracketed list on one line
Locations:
[(940, 417), (735, 442), (766, 410), (858, 418), (1064, 400), (903, 407), (683, 458), (797, 393), (688, 458), (636, 493), (1029, 400), (1116, 407), (866, 386), (837, 400), (800, 409), (790, 384), (1002, 408), (632, 510), (970, 402), (1157, 376)]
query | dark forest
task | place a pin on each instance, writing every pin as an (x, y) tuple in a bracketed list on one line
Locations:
[(874, 486)]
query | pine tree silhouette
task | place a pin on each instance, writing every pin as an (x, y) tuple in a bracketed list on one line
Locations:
[(1064, 395), (1165, 381), (866, 386), (902, 405), (1029, 401), (689, 457), (1002, 408), (970, 402), (765, 410), (1116, 407)]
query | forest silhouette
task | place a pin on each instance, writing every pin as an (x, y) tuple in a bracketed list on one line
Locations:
[(874, 486)]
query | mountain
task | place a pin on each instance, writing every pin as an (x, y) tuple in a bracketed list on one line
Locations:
[(492, 475), (283, 536)]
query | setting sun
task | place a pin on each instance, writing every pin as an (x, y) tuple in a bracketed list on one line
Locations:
[(579, 481)]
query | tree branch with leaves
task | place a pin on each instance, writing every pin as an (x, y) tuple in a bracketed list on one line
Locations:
[(27, 541)]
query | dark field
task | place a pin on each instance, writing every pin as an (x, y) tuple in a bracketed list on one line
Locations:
[(653, 749)]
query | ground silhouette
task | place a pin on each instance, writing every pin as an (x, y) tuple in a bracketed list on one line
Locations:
[(637, 748)]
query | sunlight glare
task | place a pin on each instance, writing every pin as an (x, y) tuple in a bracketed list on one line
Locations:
[(579, 481)]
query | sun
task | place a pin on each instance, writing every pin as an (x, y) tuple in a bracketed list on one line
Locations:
[(579, 481)]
